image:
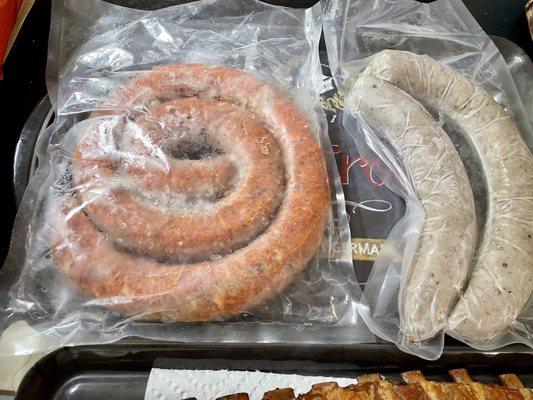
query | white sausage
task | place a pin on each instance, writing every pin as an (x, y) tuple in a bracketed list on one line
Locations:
[(441, 184), (502, 277)]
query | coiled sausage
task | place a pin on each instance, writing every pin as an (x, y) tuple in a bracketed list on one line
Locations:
[(220, 286)]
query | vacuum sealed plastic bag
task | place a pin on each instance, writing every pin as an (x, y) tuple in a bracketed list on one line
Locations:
[(430, 95), (187, 189), (372, 208)]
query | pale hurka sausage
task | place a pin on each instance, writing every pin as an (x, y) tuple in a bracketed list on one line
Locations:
[(441, 184), (502, 276)]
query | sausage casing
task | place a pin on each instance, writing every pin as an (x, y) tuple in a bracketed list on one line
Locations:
[(502, 277), (441, 184)]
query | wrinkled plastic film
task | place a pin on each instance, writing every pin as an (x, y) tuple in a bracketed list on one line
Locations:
[(498, 276), (355, 34), (150, 104)]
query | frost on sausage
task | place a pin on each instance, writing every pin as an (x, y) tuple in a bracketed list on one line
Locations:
[(502, 276), (441, 184), (107, 141), (162, 228), (280, 180)]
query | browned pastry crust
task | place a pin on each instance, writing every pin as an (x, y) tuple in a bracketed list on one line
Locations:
[(415, 387), (279, 394), (236, 396)]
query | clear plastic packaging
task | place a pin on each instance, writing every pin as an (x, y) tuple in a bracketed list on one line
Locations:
[(372, 208), (356, 34), (174, 197)]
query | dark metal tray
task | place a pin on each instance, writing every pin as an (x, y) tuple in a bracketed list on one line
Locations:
[(120, 371)]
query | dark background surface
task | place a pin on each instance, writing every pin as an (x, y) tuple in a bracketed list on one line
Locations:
[(24, 77)]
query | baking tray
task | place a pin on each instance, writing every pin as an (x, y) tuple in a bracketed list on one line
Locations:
[(120, 371)]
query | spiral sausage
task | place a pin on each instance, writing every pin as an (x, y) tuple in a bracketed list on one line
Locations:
[(209, 178), (502, 277), (224, 285), (163, 233)]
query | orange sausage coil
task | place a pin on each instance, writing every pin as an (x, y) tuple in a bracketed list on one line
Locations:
[(153, 229)]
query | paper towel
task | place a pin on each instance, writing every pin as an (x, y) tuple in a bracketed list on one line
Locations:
[(176, 384)]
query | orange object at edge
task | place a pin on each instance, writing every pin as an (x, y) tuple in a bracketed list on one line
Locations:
[(8, 16)]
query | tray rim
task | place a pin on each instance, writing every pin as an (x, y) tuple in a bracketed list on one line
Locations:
[(75, 358)]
